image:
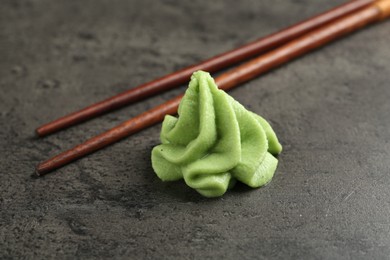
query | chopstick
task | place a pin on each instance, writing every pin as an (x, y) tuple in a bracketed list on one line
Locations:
[(245, 72), (211, 65)]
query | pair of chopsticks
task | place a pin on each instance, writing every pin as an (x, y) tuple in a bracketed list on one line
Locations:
[(277, 49)]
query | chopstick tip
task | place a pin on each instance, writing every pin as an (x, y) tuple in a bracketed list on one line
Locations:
[(37, 173), (37, 133)]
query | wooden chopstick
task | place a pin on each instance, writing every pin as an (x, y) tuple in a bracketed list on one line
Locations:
[(211, 65), (228, 80)]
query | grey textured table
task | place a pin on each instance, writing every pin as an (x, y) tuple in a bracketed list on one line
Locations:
[(330, 197)]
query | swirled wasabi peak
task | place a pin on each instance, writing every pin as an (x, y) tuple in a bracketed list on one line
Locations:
[(214, 142)]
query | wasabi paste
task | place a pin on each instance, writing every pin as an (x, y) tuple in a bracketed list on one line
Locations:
[(214, 142)]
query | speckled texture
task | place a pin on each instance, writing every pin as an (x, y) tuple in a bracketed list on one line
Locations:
[(330, 197)]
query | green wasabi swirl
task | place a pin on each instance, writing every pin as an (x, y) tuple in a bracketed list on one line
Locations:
[(214, 142)]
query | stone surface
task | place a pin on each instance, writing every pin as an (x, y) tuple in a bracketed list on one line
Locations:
[(330, 197)]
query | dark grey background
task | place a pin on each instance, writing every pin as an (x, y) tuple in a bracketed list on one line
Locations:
[(330, 197)]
